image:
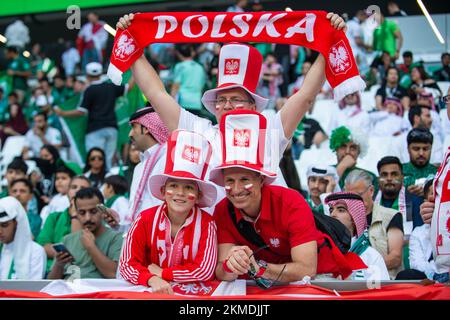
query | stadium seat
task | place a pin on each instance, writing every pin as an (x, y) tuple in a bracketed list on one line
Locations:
[(12, 148), (323, 111), (367, 101)]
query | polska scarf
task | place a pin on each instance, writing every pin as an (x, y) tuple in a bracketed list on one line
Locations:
[(308, 29)]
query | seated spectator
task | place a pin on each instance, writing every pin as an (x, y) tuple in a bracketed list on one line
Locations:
[(183, 248), (266, 232), (420, 248), (392, 89), (131, 162), (321, 181), (388, 121), (385, 224), (95, 249), (349, 145), (393, 193), (309, 133), (421, 83), (349, 209), (114, 190), (350, 114), (379, 68), (60, 202), (22, 190), (16, 169), (20, 257), (426, 99), (42, 134), (443, 74), (15, 125), (61, 223), (95, 168), (419, 117), (418, 167), (405, 67)]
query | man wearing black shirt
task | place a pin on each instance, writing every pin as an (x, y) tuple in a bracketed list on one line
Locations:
[(392, 89), (99, 100), (443, 74), (385, 224)]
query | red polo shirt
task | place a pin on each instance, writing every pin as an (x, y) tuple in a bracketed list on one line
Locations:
[(285, 221)]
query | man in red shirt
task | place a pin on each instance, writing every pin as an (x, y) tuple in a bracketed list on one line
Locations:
[(267, 232)]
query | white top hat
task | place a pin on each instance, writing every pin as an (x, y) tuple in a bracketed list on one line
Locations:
[(188, 156), (239, 67), (243, 141)]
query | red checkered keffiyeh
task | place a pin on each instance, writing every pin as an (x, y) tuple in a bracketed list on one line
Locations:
[(355, 208), (154, 125)]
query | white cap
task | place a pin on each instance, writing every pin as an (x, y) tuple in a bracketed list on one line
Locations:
[(94, 69)]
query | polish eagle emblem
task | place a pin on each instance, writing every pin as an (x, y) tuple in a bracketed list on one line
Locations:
[(241, 138), (125, 47), (232, 66), (191, 154), (339, 58)]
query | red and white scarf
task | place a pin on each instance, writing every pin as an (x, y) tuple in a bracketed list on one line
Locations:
[(309, 29)]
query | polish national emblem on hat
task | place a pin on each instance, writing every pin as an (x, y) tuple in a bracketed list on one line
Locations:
[(232, 66), (243, 134), (239, 67), (187, 158), (241, 138)]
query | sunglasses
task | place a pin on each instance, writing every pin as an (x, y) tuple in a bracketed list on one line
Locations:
[(96, 158)]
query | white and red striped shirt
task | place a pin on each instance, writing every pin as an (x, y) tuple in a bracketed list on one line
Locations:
[(191, 256)]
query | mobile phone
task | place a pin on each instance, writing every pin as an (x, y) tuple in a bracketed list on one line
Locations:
[(60, 247), (102, 208)]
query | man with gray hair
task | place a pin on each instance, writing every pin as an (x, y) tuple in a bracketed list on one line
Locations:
[(385, 224)]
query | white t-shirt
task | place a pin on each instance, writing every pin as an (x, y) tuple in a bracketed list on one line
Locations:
[(350, 116), (376, 271), (420, 251), (121, 206), (275, 136), (58, 203), (385, 124), (38, 262), (34, 143)]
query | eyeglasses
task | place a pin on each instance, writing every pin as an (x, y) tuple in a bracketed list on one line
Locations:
[(446, 98), (361, 193), (234, 102), (96, 158)]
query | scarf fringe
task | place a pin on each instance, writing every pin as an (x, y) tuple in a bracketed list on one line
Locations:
[(114, 74), (348, 86)]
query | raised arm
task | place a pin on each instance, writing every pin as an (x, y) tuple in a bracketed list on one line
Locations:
[(151, 85), (297, 105)]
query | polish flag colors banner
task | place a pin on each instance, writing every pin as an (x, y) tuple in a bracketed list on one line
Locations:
[(310, 29), (216, 290)]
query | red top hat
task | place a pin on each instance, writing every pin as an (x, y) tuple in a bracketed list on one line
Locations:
[(243, 135), (239, 67), (188, 155)]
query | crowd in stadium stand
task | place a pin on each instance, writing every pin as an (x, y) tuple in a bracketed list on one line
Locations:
[(84, 163)]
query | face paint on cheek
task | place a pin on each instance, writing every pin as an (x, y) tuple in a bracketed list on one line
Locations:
[(239, 106), (228, 189), (191, 197), (169, 192), (248, 187)]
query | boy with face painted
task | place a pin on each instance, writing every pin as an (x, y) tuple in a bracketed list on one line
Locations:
[(349, 209), (175, 241)]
